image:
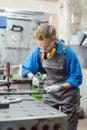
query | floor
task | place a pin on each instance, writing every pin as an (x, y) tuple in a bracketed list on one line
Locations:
[(82, 124)]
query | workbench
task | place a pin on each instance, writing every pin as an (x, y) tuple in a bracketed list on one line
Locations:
[(26, 113)]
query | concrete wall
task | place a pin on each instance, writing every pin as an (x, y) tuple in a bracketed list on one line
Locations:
[(30, 5), (63, 22), (83, 91), (81, 53), (47, 6), (72, 17), (72, 14), (84, 14)]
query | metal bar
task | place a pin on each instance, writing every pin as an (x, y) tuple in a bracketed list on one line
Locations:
[(16, 81), (22, 92)]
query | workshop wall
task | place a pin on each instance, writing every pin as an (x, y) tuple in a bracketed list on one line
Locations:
[(72, 17), (20, 44), (17, 44), (83, 91), (30, 5)]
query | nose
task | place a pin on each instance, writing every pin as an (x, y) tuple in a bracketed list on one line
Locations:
[(43, 49)]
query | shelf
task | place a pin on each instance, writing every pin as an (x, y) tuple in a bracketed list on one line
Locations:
[(17, 48)]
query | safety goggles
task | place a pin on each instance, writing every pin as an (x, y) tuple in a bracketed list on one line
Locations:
[(43, 36)]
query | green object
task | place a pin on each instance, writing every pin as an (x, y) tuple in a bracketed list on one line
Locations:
[(37, 96)]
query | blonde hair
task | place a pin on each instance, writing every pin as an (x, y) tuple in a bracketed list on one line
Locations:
[(45, 31)]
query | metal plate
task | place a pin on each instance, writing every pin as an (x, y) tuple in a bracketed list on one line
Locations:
[(30, 114)]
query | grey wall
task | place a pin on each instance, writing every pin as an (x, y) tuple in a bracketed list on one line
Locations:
[(14, 45), (81, 52)]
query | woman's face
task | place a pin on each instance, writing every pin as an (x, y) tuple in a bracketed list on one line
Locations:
[(46, 45)]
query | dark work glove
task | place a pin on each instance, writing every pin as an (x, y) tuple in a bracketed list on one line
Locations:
[(54, 88)]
